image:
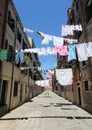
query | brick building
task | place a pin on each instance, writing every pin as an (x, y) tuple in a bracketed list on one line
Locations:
[(80, 92), (82, 15)]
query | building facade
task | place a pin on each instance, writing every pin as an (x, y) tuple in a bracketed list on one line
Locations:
[(85, 18), (3, 10), (17, 79), (80, 92)]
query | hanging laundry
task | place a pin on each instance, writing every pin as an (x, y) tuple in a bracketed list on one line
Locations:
[(51, 72), (66, 30), (24, 68), (81, 52), (41, 51), (71, 41), (71, 53), (38, 82), (78, 27), (64, 76), (42, 83), (32, 50), (47, 83), (50, 51), (28, 30), (19, 56), (88, 47), (21, 68), (61, 50), (39, 68), (3, 55), (45, 38), (58, 41)]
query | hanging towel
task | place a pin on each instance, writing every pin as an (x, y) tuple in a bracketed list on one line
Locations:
[(88, 47), (3, 55), (64, 76), (58, 41), (71, 53), (66, 30), (81, 51)]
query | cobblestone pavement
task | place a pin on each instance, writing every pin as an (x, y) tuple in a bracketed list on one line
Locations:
[(47, 112)]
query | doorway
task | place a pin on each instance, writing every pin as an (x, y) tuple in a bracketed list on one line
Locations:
[(3, 92), (79, 95)]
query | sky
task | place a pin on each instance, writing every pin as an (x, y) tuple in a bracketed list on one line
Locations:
[(46, 16)]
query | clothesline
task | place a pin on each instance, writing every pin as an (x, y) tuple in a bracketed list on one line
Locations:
[(69, 29), (43, 83), (63, 76), (84, 51), (57, 41)]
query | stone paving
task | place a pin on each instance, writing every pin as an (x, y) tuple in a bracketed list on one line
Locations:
[(46, 112)]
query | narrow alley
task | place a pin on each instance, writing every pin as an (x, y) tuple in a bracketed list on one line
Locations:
[(45, 112)]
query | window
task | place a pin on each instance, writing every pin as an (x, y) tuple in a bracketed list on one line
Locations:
[(24, 44), (19, 36), (86, 87), (6, 44), (11, 54), (34, 77), (11, 21), (79, 34), (61, 88), (83, 63), (34, 63), (25, 89), (77, 6), (56, 88), (15, 93)]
